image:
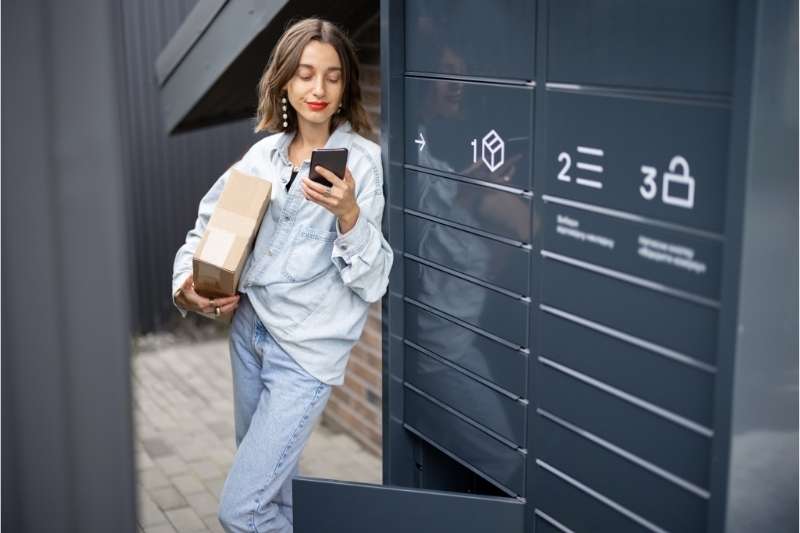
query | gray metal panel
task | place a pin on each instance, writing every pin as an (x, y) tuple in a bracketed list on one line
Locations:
[(632, 343), (500, 314), (67, 443), (464, 132), (498, 263), (193, 26), (640, 491), (471, 446), (322, 505), (533, 475), (645, 373), (762, 494), (498, 212), (629, 126), (634, 426), (677, 261), (399, 445), (32, 335), (232, 31), (471, 38), (165, 176), (547, 524), (631, 133), (479, 402), (560, 497), (678, 327), (604, 416), (615, 43), (496, 362)]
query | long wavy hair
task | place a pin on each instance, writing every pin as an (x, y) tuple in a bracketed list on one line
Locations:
[(283, 63)]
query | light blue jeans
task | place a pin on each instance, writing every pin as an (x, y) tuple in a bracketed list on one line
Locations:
[(276, 403)]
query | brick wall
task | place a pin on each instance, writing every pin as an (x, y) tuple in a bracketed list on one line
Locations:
[(355, 407)]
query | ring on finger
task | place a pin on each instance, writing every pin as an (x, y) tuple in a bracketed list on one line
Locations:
[(327, 191), (216, 311)]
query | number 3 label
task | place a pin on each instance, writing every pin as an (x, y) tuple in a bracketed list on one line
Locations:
[(649, 187)]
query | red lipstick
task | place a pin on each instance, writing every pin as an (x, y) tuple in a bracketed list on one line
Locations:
[(317, 106)]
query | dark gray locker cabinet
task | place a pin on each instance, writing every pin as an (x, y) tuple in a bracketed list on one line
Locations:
[(566, 183)]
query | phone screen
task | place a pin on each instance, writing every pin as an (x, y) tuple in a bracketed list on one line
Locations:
[(334, 159)]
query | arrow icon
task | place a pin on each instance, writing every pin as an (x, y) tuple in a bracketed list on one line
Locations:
[(420, 141)]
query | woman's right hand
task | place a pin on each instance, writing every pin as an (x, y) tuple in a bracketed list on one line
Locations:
[(191, 301)]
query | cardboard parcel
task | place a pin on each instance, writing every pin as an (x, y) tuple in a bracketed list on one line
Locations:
[(220, 257)]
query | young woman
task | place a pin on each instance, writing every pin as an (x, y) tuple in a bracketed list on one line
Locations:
[(319, 261)]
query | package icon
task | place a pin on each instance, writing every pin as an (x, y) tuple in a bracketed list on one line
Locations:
[(493, 150)]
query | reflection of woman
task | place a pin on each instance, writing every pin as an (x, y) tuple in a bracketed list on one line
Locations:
[(318, 261)]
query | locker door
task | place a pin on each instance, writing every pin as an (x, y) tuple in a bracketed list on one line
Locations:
[(336, 506)]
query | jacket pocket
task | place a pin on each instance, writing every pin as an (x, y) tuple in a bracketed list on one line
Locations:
[(309, 255)]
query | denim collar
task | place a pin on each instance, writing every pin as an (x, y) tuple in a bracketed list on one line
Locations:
[(342, 137)]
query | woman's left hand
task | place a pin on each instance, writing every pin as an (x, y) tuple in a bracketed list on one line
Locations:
[(339, 198)]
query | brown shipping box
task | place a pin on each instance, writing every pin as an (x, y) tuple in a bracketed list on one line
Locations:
[(220, 257)]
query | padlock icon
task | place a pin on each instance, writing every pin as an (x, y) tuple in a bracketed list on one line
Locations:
[(678, 186)]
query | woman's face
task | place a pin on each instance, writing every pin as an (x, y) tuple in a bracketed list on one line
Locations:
[(316, 88)]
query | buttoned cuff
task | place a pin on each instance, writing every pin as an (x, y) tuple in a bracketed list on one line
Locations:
[(352, 243), (177, 282)]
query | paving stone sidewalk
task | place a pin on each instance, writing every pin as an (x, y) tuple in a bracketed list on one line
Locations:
[(183, 415)]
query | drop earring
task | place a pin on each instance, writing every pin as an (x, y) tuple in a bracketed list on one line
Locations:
[(285, 114), (340, 109)]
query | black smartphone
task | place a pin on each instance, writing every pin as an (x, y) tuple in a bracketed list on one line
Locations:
[(334, 159)]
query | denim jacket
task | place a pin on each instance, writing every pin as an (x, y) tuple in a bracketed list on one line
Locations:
[(309, 284)]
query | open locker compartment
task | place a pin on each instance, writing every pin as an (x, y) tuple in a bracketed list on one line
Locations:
[(439, 470), (446, 496)]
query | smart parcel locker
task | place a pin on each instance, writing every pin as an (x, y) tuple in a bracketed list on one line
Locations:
[(564, 204)]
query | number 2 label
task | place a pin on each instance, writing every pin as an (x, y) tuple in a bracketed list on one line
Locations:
[(564, 158)]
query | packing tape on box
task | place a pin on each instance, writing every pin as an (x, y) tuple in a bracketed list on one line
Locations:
[(230, 221), (217, 247)]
